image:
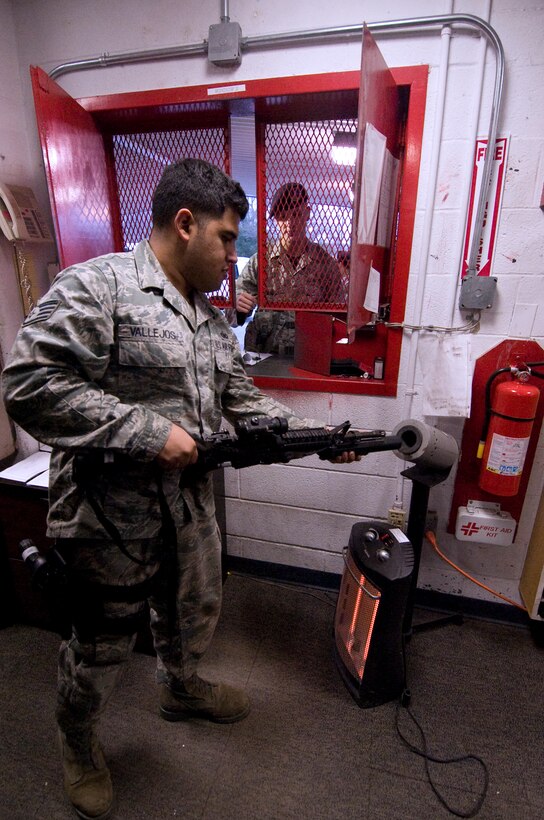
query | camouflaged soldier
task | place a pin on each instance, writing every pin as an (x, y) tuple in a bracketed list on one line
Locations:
[(125, 355), (298, 270)]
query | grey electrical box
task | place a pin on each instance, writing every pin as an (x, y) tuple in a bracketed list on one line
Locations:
[(477, 292), (224, 44)]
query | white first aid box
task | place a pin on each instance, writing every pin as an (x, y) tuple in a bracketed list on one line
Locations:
[(484, 523)]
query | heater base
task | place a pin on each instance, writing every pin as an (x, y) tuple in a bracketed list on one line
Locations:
[(365, 698)]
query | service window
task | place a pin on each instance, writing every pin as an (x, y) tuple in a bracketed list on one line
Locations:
[(105, 155)]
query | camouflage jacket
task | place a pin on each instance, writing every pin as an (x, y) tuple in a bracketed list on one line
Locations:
[(315, 279), (109, 358)]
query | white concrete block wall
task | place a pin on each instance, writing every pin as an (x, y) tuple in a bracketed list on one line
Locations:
[(301, 514)]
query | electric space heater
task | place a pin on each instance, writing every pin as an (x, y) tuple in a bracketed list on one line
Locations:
[(368, 623)]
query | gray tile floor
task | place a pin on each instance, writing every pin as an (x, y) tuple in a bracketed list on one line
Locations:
[(306, 750)]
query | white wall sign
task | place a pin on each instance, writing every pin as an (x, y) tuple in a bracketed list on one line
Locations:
[(484, 526), (486, 247)]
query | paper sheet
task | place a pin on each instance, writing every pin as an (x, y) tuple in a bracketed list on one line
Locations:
[(388, 192), (24, 471), (444, 362), (41, 480), (372, 295), (254, 358), (371, 180)]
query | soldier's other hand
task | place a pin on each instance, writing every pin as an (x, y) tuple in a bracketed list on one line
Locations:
[(179, 451), (346, 458), (245, 302)]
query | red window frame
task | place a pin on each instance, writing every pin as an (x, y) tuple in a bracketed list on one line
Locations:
[(134, 112)]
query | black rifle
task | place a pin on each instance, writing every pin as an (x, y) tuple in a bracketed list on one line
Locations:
[(256, 440), (265, 440)]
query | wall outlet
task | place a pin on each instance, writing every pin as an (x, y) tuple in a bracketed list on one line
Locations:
[(396, 517), (431, 521)]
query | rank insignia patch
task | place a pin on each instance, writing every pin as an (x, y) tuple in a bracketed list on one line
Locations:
[(41, 312)]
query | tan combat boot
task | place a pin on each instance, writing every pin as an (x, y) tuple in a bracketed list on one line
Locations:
[(196, 697), (87, 780)]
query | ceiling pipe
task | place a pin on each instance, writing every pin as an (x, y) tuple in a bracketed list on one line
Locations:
[(335, 33)]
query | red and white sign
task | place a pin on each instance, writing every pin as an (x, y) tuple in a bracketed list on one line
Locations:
[(488, 236), (485, 527)]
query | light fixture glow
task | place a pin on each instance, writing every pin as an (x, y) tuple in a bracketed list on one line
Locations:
[(344, 148)]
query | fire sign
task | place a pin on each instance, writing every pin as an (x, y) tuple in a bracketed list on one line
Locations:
[(487, 239)]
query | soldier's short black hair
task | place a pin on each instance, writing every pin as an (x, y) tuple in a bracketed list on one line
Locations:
[(201, 187)]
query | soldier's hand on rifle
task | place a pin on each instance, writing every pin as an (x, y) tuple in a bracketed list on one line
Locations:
[(348, 457), (345, 458), (245, 302), (179, 451)]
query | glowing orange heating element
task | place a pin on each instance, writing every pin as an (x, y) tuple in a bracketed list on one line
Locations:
[(355, 617)]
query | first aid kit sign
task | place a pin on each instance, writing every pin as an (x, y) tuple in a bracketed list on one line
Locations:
[(488, 231), (484, 527)]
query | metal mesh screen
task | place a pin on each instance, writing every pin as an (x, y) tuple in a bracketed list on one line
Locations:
[(304, 152), (139, 161), (356, 611)]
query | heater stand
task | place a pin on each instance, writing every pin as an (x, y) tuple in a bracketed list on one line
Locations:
[(374, 611), (423, 480)]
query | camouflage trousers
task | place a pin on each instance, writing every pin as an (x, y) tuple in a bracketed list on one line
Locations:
[(184, 605)]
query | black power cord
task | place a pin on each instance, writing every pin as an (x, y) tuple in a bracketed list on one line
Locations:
[(428, 758), (403, 705)]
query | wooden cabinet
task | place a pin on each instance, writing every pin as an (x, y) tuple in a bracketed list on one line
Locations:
[(531, 584), (23, 512)]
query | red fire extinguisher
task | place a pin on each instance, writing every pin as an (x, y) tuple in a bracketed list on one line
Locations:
[(507, 429)]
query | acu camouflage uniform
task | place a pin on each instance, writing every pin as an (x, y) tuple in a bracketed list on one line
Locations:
[(314, 279), (109, 358)]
